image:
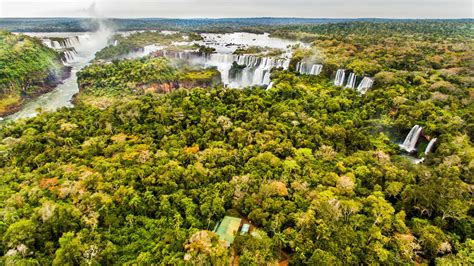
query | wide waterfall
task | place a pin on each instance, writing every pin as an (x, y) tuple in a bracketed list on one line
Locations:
[(236, 70), (412, 138), (255, 71), (365, 84), (303, 68), (66, 46), (61, 43), (430, 146), (351, 81), (340, 76)]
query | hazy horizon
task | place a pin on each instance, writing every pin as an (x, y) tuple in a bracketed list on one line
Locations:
[(193, 9), (218, 18)]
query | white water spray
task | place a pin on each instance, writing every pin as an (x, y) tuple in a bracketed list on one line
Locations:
[(304, 68), (430, 146), (411, 139), (340, 76), (364, 85), (254, 71), (351, 81)]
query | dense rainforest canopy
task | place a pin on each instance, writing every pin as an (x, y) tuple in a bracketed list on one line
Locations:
[(132, 175)]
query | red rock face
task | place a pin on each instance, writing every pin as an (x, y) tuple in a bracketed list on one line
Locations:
[(165, 88), (160, 88), (170, 86)]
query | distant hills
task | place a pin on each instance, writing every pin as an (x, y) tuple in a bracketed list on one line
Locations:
[(88, 24)]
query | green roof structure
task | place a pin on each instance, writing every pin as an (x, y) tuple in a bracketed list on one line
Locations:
[(245, 229), (228, 228)]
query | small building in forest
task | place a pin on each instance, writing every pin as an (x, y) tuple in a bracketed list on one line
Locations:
[(227, 229), (245, 229)]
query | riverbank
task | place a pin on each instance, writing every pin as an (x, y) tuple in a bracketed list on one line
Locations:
[(13, 103)]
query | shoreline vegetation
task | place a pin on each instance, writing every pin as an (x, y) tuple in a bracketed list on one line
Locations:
[(28, 69), (8, 108)]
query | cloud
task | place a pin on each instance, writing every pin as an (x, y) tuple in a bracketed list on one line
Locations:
[(243, 8)]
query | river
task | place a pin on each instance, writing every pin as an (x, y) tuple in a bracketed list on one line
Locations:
[(87, 45)]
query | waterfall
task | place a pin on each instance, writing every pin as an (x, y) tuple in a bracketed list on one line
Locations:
[(72, 41), (257, 71), (411, 139), (68, 55), (302, 68), (48, 43), (253, 71), (351, 81), (65, 46), (223, 63), (427, 151), (316, 69), (270, 85), (61, 43), (430, 146), (55, 45), (364, 85), (340, 75), (266, 78)]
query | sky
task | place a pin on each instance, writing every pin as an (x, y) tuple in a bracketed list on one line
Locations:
[(239, 8)]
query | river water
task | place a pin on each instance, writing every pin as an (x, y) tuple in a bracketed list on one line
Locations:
[(87, 45)]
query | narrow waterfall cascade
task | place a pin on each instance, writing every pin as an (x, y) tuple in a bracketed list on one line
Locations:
[(340, 76), (412, 138), (68, 55), (351, 81), (237, 71), (304, 68), (427, 151), (115, 42), (430, 146), (364, 85), (270, 85), (316, 69)]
